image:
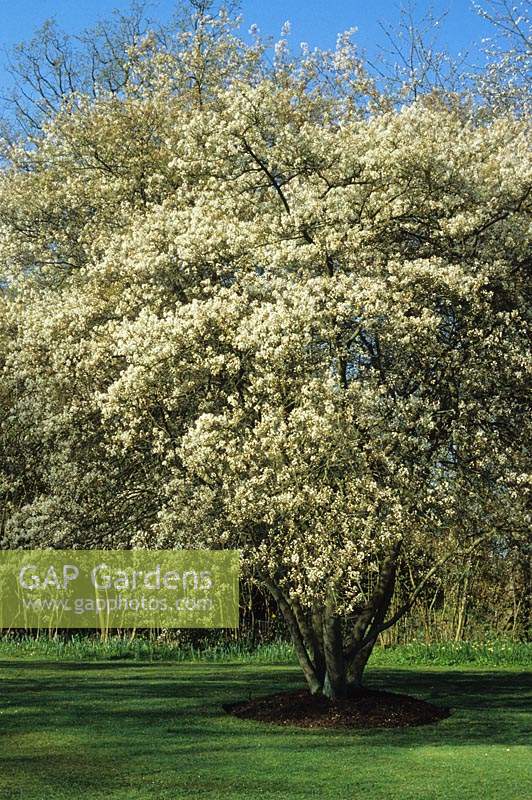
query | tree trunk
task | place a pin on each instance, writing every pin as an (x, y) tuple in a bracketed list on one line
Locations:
[(309, 670), (335, 682), (526, 599), (333, 651), (357, 666), (462, 604)]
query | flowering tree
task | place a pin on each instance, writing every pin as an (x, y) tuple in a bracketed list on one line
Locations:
[(256, 306)]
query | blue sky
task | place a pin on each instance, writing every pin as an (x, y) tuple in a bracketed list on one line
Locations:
[(314, 21)]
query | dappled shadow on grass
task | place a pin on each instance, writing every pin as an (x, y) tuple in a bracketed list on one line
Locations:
[(101, 729), (480, 689), (60, 769), (95, 721), (114, 664)]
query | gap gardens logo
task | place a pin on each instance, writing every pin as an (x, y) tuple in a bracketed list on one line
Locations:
[(119, 588)]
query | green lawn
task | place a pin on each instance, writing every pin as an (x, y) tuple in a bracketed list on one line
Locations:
[(126, 731)]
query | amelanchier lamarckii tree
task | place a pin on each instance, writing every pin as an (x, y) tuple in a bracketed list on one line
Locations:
[(255, 306)]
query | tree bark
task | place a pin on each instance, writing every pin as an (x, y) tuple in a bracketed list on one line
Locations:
[(335, 683), (303, 657)]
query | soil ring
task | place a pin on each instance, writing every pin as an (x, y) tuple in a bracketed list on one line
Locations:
[(364, 708)]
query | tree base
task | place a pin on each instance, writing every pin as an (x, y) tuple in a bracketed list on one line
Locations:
[(364, 708)]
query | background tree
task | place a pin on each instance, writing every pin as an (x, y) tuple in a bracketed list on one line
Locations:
[(504, 83)]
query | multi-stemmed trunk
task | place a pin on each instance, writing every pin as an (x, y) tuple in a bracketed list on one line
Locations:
[(333, 650)]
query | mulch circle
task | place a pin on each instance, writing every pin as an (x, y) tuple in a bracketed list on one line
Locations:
[(364, 708)]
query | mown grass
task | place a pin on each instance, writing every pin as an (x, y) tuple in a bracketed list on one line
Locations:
[(496, 653), (136, 730)]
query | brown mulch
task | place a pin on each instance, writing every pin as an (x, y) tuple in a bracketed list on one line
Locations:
[(365, 708)]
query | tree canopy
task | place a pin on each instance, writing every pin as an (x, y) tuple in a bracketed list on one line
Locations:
[(259, 305)]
